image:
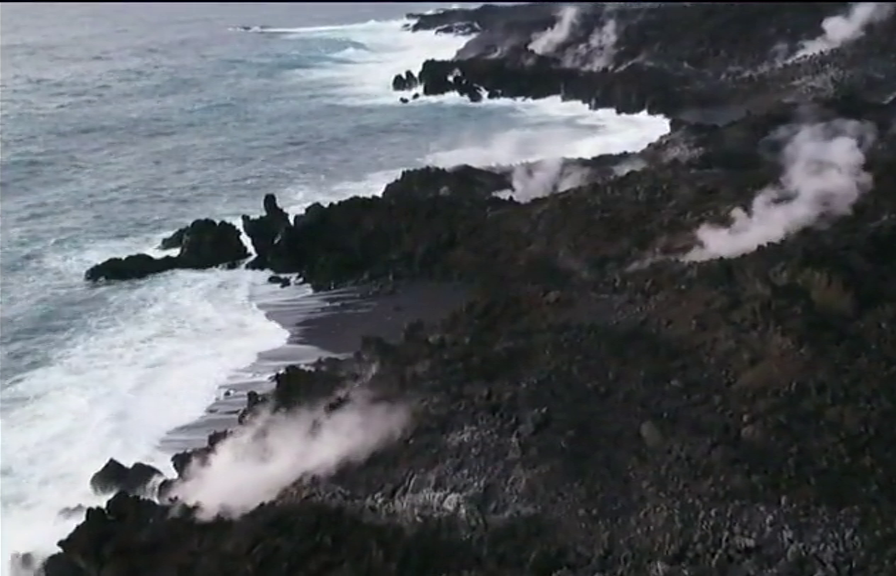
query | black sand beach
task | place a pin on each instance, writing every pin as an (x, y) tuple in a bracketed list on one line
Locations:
[(326, 324)]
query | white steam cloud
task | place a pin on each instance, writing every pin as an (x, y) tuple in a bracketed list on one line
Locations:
[(544, 177), (598, 53), (595, 54), (823, 177), (630, 165), (841, 29), (274, 450), (547, 42)]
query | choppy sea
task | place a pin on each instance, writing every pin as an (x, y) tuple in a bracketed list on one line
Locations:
[(123, 122)]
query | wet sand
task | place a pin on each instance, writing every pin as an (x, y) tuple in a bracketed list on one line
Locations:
[(319, 325)]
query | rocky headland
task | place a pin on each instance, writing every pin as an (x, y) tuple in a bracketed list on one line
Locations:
[(681, 362)]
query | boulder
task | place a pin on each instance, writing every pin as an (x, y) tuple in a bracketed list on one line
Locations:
[(140, 479), (109, 478), (130, 267), (410, 80), (265, 231), (208, 244), (204, 244), (116, 477), (403, 82)]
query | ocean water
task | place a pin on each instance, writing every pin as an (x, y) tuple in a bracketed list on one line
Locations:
[(121, 123)]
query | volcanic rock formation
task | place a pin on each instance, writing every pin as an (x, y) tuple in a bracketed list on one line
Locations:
[(203, 244), (622, 395)]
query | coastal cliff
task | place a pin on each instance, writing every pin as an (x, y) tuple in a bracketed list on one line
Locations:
[(681, 364)]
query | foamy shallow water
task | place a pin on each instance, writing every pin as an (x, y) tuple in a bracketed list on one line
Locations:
[(92, 372), (150, 364), (583, 134)]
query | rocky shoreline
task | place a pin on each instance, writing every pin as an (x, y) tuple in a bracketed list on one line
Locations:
[(642, 382), (320, 325)]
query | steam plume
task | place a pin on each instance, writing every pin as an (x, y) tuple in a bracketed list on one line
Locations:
[(544, 177), (260, 459), (595, 54), (823, 178), (598, 53), (629, 165), (841, 29), (547, 42)]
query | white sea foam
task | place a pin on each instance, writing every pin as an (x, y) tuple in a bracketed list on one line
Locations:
[(364, 76), (551, 128), (550, 131), (298, 197), (151, 362), (544, 130)]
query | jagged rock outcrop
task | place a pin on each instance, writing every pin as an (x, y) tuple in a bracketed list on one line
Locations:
[(408, 81), (130, 267), (264, 232), (463, 182), (113, 477), (204, 244), (631, 59), (299, 246)]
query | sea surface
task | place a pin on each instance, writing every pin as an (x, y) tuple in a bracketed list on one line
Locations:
[(123, 122)]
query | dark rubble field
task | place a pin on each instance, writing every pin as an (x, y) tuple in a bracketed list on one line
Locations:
[(610, 401)]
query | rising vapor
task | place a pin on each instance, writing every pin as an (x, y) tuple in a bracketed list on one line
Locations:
[(275, 449), (547, 42), (823, 177), (594, 54), (840, 29), (533, 180), (598, 52)]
